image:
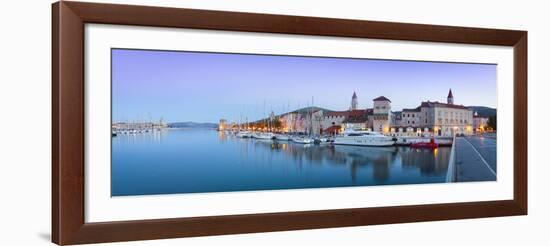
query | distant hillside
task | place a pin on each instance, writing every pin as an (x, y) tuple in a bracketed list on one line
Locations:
[(308, 109), (484, 111), (305, 110), (190, 124)]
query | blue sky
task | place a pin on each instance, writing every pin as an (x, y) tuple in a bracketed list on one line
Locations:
[(204, 87)]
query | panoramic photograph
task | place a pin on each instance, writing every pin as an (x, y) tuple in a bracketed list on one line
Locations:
[(194, 122)]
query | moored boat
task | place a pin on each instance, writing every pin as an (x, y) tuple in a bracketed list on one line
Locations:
[(302, 140), (423, 145), (364, 138), (244, 134), (321, 140), (263, 135), (282, 137)]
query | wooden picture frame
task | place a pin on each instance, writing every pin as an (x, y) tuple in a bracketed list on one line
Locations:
[(68, 110)]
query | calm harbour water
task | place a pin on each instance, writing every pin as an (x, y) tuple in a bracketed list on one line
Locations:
[(202, 160)]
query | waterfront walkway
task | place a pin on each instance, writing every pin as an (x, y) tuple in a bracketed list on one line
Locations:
[(475, 159)]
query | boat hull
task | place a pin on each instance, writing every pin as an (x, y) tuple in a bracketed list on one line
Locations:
[(388, 144), (364, 142), (302, 141), (263, 136), (282, 137), (244, 135)]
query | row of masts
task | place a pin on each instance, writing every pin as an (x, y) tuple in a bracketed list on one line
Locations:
[(269, 120)]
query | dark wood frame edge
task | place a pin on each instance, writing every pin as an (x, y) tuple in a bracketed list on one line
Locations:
[(68, 224)]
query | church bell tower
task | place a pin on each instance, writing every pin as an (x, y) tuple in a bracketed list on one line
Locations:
[(450, 98), (354, 102)]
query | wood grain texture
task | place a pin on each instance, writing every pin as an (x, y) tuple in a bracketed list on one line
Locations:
[(68, 224), (251, 22), (68, 120), (520, 122)]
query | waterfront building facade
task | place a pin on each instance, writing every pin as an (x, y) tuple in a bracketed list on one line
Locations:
[(481, 124), (222, 126), (428, 119), (381, 115)]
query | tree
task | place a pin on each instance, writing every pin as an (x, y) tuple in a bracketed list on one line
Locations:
[(492, 122)]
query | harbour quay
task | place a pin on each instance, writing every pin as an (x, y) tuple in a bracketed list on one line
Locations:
[(473, 158)]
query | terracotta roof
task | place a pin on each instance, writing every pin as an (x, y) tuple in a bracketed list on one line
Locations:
[(438, 104), (356, 116), (338, 113), (381, 98), (362, 119), (357, 113)]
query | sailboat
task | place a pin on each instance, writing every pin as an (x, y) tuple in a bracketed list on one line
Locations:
[(244, 134), (302, 139), (282, 137), (306, 139), (263, 135)]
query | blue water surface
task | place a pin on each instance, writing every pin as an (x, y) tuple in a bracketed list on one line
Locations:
[(204, 160)]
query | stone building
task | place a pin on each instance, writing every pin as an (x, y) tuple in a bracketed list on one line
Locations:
[(381, 116), (480, 123), (428, 119)]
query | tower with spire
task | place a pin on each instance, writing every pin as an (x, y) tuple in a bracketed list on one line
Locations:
[(450, 98), (354, 103)]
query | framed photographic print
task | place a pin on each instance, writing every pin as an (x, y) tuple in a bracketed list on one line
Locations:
[(176, 122)]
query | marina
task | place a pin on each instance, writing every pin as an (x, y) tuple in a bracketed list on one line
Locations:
[(247, 122), (310, 147), (206, 160)]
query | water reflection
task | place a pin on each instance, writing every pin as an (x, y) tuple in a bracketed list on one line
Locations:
[(209, 161), (427, 162)]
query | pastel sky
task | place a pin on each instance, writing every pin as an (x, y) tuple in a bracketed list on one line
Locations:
[(204, 87)]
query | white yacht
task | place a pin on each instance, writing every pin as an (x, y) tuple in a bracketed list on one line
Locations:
[(282, 137), (244, 134), (364, 138), (302, 140), (263, 135)]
